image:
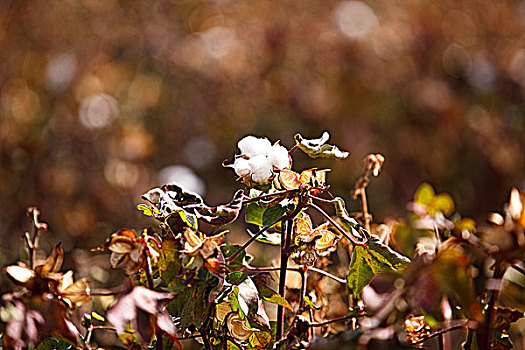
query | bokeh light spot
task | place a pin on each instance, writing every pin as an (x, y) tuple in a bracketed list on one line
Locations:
[(98, 111), (184, 177), (355, 19)]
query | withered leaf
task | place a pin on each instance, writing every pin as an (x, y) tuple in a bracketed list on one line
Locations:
[(19, 274), (145, 310), (53, 262), (221, 214), (319, 148)]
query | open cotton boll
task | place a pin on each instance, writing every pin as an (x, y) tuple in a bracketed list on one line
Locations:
[(278, 157), (252, 146), (242, 167), (261, 168)]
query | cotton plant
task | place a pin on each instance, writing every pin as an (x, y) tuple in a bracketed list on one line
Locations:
[(187, 279)]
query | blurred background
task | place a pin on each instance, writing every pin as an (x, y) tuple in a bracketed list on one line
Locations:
[(101, 100)]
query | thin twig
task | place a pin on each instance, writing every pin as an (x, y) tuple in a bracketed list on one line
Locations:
[(293, 149), (296, 269), (372, 165), (327, 274), (251, 240), (33, 239), (270, 195), (324, 200), (440, 332), (336, 225), (364, 208), (338, 319)]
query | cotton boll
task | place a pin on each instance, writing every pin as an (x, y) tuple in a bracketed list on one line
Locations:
[(242, 167), (252, 146), (278, 157), (261, 168)]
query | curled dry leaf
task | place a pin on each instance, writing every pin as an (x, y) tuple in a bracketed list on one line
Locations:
[(325, 239), (76, 293), (222, 214), (20, 274), (238, 329), (196, 242), (319, 147), (221, 311), (290, 180), (145, 310), (127, 251), (45, 278)]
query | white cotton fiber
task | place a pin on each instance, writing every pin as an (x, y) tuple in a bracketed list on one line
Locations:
[(242, 167), (261, 168), (278, 157), (252, 146)]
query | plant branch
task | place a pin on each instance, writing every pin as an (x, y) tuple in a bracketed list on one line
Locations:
[(364, 209), (324, 200), (270, 195), (336, 225), (337, 319), (372, 165), (304, 280), (486, 334), (440, 332), (327, 274), (159, 344), (285, 253), (293, 149), (32, 240), (296, 269), (250, 241)]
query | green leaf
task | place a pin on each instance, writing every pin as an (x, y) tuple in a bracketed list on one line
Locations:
[(269, 294), (229, 249), (236, 278), (268, 237), (148, 211), (311, 304), (370, 259), (444, 202), (181, 219), (254, 213), (272, 215), (260, 340), (98, 317), (319, 148), (55, 344), (245, 300), (340, 211), (191, 304), (424, 194), (232, 346)]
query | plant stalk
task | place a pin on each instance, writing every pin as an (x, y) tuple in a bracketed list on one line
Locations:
[(285, 254), (493, 294), (159, 344)]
